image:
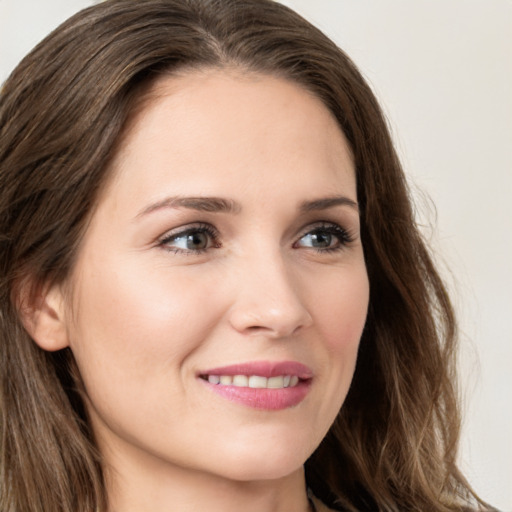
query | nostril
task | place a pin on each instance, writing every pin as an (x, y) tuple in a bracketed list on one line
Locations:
[(276, 332), (257, 328)]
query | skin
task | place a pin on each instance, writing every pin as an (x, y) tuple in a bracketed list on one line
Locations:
[(148, 312)]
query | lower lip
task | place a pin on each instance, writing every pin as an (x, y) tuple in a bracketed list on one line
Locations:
[(263, 398)]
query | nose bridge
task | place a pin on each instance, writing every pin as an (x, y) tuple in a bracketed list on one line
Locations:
[(268, 297)]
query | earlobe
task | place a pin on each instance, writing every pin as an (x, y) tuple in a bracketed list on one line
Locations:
[(42, 315)]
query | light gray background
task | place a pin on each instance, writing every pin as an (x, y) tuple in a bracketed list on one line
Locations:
[(443, 71)]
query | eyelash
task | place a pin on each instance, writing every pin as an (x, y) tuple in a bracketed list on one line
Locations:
[(198, 228), (343, 236)]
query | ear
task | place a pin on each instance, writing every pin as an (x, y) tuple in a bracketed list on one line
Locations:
[(42, 314)]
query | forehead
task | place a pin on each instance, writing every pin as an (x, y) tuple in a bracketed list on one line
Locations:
[(222, 125)]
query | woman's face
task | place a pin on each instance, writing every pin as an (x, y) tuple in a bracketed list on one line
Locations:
[(221, 289)]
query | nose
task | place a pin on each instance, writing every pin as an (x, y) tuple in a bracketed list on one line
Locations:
[(267, 299)]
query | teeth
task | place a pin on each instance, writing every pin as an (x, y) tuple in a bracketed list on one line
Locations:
[(213, 379), (241, 381), (254, 381), (275, 382), (226, 380)]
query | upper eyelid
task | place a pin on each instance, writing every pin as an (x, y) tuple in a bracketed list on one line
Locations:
[(183, 230), (326, 224), (195, 226), (320, 223)]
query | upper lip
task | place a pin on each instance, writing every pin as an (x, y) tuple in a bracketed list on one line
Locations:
[(263, 369)]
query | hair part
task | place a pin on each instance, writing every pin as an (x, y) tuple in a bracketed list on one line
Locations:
[(63, 112)]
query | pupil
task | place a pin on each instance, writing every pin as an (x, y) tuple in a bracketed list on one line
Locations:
[(197, 241), (322, 239)]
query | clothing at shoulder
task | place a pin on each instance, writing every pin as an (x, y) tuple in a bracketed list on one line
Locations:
[(319, 506)]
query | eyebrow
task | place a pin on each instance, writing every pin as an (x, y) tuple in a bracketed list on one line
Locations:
[(221, 205), (328, 202), (203, 204)]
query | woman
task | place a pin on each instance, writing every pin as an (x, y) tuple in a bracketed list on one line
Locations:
[(214, 294)]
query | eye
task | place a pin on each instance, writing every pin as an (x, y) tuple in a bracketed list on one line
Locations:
[(194, 239), (324, 238)]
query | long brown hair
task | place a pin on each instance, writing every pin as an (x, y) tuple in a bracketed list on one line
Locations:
[(63, 110)]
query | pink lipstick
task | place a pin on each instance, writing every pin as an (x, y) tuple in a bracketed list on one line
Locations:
[(261, 384)]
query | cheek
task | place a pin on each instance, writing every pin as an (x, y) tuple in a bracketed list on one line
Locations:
[(342, 310), (341, 318), (340, 307), (139, 318)]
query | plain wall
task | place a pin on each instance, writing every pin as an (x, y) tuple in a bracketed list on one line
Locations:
[(443, 72)]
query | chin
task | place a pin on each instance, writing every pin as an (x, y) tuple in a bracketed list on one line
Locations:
[(269, 470), (273, 461)]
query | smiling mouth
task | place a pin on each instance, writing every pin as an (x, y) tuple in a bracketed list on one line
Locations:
[(254, 381), (263, 385)]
